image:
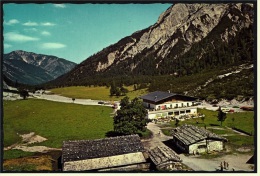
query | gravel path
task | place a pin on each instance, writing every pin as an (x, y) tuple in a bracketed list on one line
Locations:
[(157, 138)]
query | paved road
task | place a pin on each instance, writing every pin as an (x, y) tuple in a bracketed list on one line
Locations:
[(236, 161), (59, 98)]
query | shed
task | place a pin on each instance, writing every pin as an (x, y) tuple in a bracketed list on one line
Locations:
[(122, 153), (164, 158), (192, 139)]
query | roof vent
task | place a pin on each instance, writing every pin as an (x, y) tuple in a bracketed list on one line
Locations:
[(155, 97)]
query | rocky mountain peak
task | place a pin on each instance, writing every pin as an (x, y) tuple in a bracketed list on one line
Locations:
[(162, 46), (181, 24)]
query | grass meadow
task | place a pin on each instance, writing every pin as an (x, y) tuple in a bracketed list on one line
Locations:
[(95, 93), (55, 121)]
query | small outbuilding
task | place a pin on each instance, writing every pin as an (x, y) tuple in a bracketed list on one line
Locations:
[(193, 140), (165, 158), (122, 153)]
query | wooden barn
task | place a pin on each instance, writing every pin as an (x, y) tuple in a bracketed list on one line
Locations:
[(193, 140), (122, 153), (165, 158)]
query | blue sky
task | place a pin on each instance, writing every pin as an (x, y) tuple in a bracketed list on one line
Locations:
[(73, 31)]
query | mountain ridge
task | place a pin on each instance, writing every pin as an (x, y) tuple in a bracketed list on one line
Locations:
[(176, 34), (31, 68)]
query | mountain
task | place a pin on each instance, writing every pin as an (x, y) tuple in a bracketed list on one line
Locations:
[(187, 46), (187, 39), (31, 68)]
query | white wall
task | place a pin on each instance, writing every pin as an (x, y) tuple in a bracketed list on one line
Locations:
[(158, 114), (212, 145)]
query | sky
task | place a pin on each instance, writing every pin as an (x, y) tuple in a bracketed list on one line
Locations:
[(73, 31)]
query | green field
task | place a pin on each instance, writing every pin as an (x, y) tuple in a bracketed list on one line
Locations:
[(95, 93), (242, 120), (55, 121)]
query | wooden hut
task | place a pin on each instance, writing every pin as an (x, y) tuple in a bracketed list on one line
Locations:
[(123, 153), (165, 158), (193, 140)]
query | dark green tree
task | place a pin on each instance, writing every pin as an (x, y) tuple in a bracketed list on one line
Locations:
[(117, 91), (221, 116), (113, 89), (24, 94), (123, 90), (131, 118)]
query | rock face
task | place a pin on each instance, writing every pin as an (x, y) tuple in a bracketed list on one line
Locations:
[(175, 32), (30, 68)]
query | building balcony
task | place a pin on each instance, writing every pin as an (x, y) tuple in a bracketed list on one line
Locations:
[(171, 109)]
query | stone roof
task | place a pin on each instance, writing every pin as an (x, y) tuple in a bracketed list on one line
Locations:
[(161, 155), (89, 149), (190, 134)]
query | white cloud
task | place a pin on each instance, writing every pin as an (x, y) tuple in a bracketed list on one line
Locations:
[(60, 5), (15, 37), (46, 33), (11, 22), (31, 29), (29, 23), (6, 46), (53, 45), (48, 24)]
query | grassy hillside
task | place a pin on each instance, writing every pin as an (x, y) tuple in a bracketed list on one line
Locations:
[(95, 93), (55, 121)]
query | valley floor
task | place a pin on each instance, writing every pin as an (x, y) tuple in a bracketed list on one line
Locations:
[(237, 161)]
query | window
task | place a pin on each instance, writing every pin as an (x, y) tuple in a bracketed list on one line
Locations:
[(170, 113), (202, 146), (182, 112), (187, 111)]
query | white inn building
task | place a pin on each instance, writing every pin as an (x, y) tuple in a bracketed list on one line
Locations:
[(165, 104)]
